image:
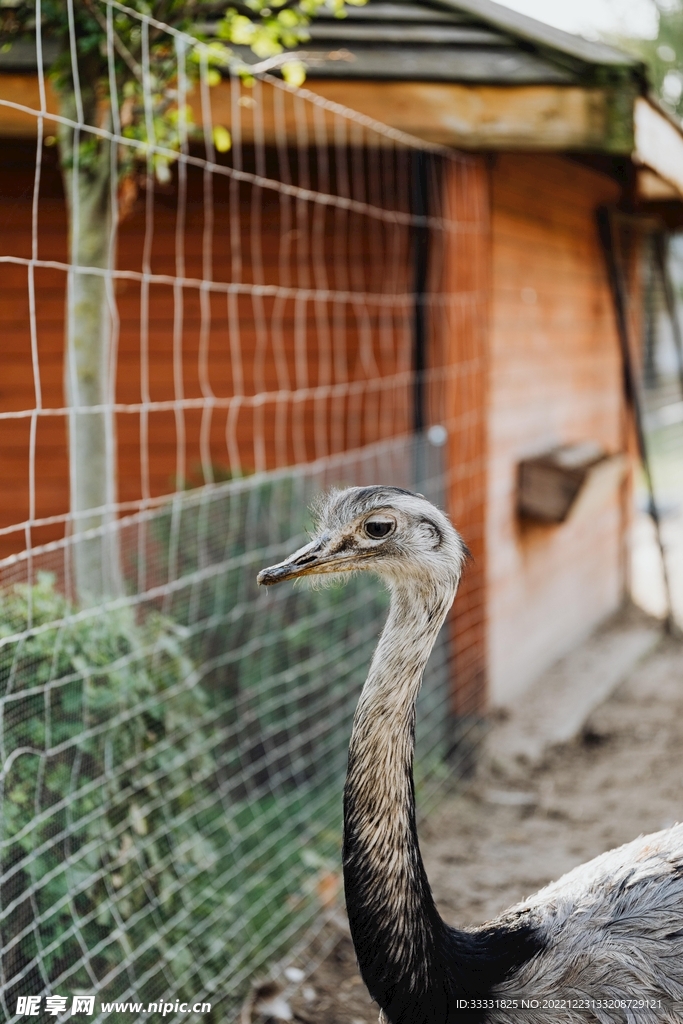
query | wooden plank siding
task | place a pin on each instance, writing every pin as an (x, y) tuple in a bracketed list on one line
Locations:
[(284, 345), (279, 343), (555, 378)]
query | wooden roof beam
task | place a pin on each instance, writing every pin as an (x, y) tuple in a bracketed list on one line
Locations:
[(544, 117), (510, 117)]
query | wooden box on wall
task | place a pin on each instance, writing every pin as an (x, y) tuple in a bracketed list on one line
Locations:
[(550, 484)]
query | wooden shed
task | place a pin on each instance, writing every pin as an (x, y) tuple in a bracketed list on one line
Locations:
[(565, 127), (555, 128)]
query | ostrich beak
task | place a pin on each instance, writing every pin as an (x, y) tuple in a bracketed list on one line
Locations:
[(313, 558)]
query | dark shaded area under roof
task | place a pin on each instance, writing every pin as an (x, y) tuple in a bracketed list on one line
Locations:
[(21, 55), (473, 41)]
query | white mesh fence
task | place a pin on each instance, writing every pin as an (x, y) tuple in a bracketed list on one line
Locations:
[(172, 741)]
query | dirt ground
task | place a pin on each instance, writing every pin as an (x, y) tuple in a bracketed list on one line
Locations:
[(514, 828)]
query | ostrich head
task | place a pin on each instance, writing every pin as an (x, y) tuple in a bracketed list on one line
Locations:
[(399, 535)]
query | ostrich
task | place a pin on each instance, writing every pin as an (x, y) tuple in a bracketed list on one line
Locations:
[(604, 943)]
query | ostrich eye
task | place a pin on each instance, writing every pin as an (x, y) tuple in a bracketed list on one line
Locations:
[(378, 528)]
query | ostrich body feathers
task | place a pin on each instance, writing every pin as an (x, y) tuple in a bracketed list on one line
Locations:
[(612, 930)]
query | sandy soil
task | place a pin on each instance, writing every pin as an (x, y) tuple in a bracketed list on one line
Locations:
[(513, 829)]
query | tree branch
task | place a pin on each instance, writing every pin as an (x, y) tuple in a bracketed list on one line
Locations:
[(119, 45)]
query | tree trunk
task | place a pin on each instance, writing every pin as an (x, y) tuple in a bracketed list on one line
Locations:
[(89, 379)]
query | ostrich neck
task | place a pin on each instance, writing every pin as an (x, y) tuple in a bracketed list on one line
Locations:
[(396, 929)]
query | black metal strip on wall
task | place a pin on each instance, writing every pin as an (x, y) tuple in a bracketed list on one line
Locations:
[(661, 248), (619, 291)]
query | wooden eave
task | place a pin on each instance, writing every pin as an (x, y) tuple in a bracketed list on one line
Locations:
[(433, 40), (458, 41), (554, 40), (464, 73)]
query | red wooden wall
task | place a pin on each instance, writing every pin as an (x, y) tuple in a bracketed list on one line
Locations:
[(555, 378), (349, 362)]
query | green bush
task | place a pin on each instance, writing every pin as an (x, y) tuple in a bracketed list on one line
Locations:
[(111, 835), (162, 836)]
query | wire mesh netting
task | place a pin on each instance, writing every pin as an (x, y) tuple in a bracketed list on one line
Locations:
[(302, 311), (174, 762)]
